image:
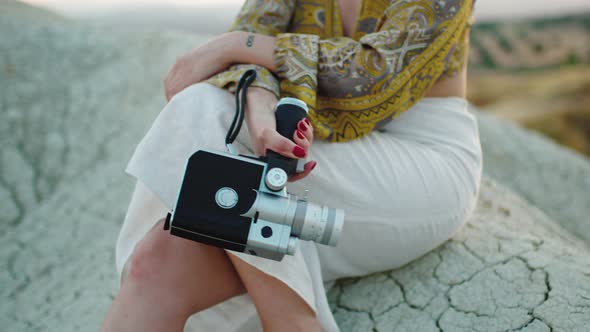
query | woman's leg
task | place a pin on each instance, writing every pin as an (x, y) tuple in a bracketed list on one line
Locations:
[(167, 278), (279, 307), (164, 282)]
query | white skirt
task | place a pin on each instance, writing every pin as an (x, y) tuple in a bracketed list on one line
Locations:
[(405, 189)]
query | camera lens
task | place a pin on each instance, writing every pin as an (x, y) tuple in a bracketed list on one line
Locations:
[(317, 223), (308, 221)]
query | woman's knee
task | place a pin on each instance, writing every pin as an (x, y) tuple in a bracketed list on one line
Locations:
[(161, 262), (159, 255), (149, 257), (466, 186)]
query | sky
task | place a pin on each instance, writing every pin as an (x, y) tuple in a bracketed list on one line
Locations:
[(484, 8)]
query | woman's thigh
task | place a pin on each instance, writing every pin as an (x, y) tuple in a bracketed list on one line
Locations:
[(190, 275), (276, 302), (144, 244), (402, 197)]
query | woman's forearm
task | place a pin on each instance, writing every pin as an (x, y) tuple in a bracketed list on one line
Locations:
[(252, 48)]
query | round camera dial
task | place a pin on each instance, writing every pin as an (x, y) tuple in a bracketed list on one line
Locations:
[(226, 197), (276, 179)]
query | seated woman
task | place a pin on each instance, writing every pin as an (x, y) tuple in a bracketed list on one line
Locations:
[(395, 147)]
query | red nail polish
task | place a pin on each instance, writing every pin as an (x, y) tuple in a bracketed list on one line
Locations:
[(300, 134), (313, 165), (307, 121), (298, 151), (302, 126)]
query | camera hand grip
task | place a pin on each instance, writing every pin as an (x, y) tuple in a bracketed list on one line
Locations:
[(289, 112)]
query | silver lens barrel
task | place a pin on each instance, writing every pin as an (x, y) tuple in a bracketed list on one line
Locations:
[(318, 223), (275, 208), (292, 245), (309, 221)]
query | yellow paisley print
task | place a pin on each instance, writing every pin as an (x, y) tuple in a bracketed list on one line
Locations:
[(398, 50)]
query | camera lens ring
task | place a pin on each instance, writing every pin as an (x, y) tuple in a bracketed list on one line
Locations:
[(299, 218)]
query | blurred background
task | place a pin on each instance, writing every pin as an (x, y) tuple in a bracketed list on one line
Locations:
[(81, 83), (529, 58)]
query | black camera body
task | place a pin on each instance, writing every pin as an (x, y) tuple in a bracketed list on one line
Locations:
[(241, 203)]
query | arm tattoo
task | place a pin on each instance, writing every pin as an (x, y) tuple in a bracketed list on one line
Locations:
[(250, 41)]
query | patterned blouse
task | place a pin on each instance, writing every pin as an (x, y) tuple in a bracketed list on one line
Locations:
[(398, 50)]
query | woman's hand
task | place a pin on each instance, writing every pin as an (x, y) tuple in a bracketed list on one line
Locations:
[(199, 64), (261, 122)]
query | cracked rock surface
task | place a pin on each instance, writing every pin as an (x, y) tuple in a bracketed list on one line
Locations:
[(74, 102), (551, 177), (510, 268)]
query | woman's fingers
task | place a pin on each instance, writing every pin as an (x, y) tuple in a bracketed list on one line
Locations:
[(282, 145), (260, 119), (301, 140), (303, 135), (306, 128), (309, 166)]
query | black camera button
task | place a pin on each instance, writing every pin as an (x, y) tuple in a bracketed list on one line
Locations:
[(266, 232)]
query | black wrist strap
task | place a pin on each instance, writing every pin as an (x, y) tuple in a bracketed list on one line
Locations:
[(236, 124)]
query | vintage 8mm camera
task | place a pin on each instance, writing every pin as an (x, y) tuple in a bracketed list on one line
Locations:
[(241, 202)]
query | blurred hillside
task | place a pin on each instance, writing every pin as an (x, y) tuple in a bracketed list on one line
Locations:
[(535, 73), (532, 44)]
